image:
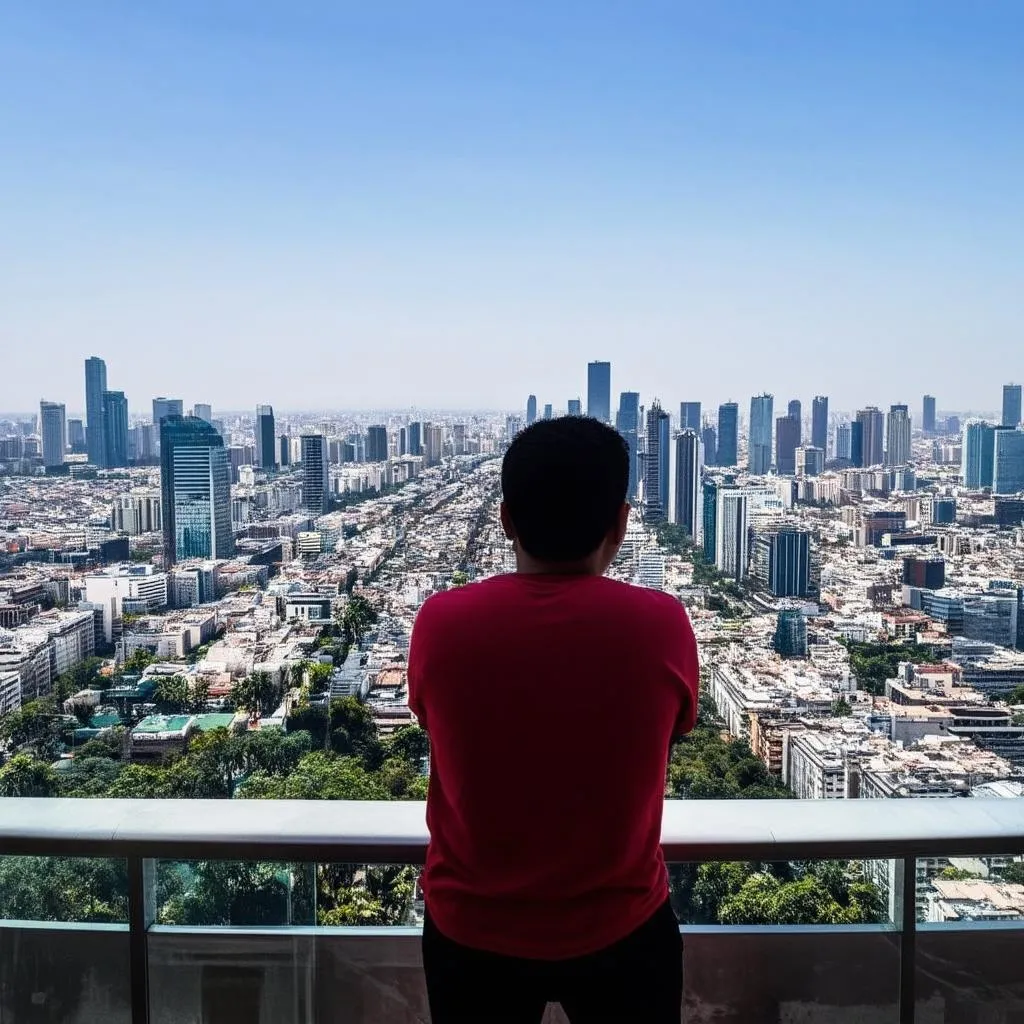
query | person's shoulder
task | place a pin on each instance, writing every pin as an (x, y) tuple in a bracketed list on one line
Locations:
[(458, 599), (652, 605)]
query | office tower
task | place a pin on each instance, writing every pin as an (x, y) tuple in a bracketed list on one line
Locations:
[(782, 561), (531, 409), (795, 412), (897, 436), (137, 512), (284, 450), (762, 410), (433, 443), (709, 443), (844, 442), (952, 425), (689, 416), (377, 443), (548, 411), (810, 461), (689, 463), (266, 438), (142, 443), (656, 467), (575, 407), (787, 440), (202, 411), (316, 485), (95, 385), (857, 443), (819, 422), (76, 437), (163, 407), (1008, 462), (53, 431), (731, 532), (403, 440), (978, 454), (195, 491), (943, 511), (927, 571), (599, 391), (728, 434), (872, 424), (458, 439), (928, 414), (791, 633), (115, 429), (710, 514), (1011, 405), (627, 423), (416, 435)]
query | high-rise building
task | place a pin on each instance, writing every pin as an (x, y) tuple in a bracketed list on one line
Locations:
[(377, 443), (137, 512), (1011, 405), (548, 410), (978, 454), (819, 422), (710, 501), (689, 514), (844, 442), (203, 411), (316, 484), (531, 409), (1008, 462), (599, 391), (656, 466), (458, 439), (76, 437), (627, 423), (284, 450), (689, 416), (195, 490), (433, 443), (857, 443), (53, 431), (787, 440), (872, 423), (574, 407), (762, 411), (795, 411), (728, 434), (163, 407), (810, 461), (115, 429), (928, 414), (266, 437), (709, 444), (782, 561), (791, 633), (731, 532), (416, 434), (95, 385), (897, 436)]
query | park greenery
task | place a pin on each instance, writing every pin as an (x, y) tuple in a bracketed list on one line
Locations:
[(873, 663)]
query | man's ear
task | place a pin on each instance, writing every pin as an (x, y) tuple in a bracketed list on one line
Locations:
[(506, 523), (621, 523)]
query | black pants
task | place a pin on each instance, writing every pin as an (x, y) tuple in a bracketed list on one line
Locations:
[(638, 980)]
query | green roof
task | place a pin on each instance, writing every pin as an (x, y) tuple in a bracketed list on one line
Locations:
[(107, 721), (163, 723), (214, 721)]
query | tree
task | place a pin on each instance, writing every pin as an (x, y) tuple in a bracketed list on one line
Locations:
[(952, 874), (313, 719), (256, 693), (357, 618), (172, 695), (84, 676), (230, 893), (138, 782), (318, 776), (459, 578), (297, 672), (353, 731), (410, 743), (39, 725), (841, 708), (139, 660), (1013, 872), (24, 776), (320, 677), (89, 776)]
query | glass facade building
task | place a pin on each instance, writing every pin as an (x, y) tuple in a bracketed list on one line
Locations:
[(728, 434), (1008, 461), (53, 431), (599, 391), (656, 466), (115, 429), (627, 423), (819, 422), (762, 413), (266, 440), (95, 385)]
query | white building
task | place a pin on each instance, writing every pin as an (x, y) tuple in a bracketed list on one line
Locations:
[(731, 532), (651, 569), (815, 766), (138, 511), (136, 589)]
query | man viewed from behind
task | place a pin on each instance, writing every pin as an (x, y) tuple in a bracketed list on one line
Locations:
[(551, 697)]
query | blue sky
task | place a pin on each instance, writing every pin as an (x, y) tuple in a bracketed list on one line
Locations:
[(456, 203)]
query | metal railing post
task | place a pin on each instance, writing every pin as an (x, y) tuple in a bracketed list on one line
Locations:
[(908, 940), (141, 914)]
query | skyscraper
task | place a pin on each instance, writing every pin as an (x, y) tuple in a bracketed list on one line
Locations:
[(266, 437), (978, 456), (316, 484), (1008, 462), (857, 443), (574, 407), (163, 407), (1011, 405), (656, 467), (710, 500), (928, 414), (897, 435), (728, 434), (791, 633), (689, 493), (599, 391), (782, 561), (844, 442), (795, 412), (819, 422), (709, 444), (195, 488), (416, 434), (548, 410), (762, 409), (531, 409), (731, 533), (377, 443), (53, 429), (810, 461), (115, 429), (76, 437), (203, 411), (95, 385), (627, 423), (689, 416), (872, 429), (284, 450), (787, 440)]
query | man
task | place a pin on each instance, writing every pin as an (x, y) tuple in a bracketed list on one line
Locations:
[(551, 697)]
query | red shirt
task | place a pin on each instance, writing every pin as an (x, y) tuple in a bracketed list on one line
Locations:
[(551, 702)]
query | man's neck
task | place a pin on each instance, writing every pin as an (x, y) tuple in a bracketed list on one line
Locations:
[(527, 565)]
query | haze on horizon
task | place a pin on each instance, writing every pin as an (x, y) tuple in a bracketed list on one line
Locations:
[(452, 205)]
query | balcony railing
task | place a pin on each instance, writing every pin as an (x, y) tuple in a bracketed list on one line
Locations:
[(862, 972)]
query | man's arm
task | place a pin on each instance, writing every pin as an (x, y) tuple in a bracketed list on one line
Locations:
[(684, 665), (417, 650)]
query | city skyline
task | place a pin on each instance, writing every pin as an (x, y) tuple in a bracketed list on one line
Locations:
[(525, 189)]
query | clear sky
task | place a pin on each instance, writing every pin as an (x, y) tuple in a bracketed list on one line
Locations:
[(453, 203)]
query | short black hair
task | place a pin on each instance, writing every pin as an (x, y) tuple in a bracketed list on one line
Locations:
[(564, 481)]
